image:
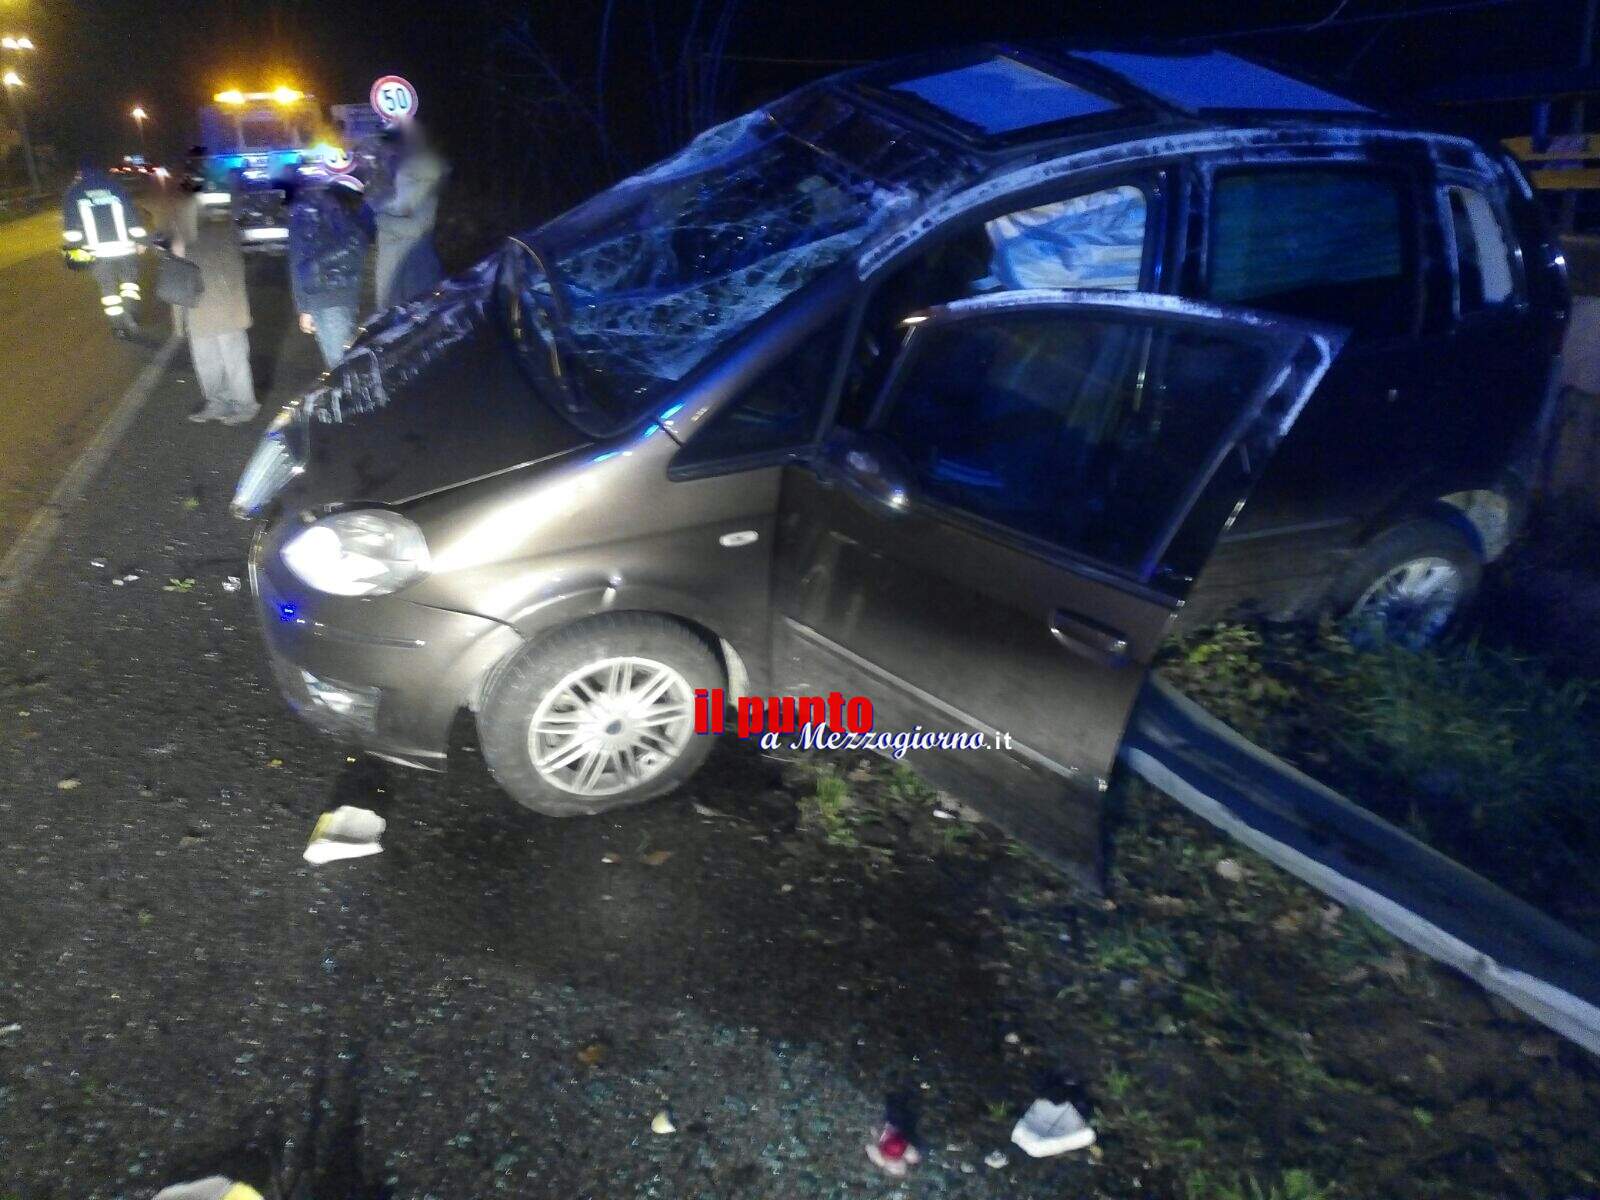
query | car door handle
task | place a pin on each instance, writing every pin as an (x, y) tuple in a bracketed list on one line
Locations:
[(1088, 638)]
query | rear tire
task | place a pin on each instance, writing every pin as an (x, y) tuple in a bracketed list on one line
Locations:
[(599, 715), (1408, 583)]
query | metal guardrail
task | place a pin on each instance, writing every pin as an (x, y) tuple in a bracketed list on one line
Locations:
[(1422, 897), (1561, 163)]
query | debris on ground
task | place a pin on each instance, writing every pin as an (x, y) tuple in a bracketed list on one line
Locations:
[(1230, 870), (1047, 1129), (892, 1151), (346, 832), (232, 583), (655, 858), (8, 1030), (70, 783), (215, 1187), (662, 1124), (995, 1159), (593, 1054)]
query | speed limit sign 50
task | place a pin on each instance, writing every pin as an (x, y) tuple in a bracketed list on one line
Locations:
[(394, 99)]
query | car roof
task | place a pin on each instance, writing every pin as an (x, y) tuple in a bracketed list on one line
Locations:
[(1003, 101)]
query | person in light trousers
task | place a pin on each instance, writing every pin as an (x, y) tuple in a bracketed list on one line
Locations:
[(216, 327)]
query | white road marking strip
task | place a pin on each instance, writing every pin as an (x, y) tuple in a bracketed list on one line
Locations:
[(17, 567)]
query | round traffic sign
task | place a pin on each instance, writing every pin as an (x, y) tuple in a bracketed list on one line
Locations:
[(337, 159), (393, 98)]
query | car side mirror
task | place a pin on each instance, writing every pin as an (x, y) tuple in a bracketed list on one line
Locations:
[(869, 466)]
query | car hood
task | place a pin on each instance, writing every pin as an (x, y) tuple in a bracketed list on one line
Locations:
[(427, 397)]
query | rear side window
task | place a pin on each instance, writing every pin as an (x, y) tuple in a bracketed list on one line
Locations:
[(1323, 244), (1483, 257)]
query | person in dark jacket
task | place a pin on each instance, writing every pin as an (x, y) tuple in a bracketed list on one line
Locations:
[(100, 227), (329, 232)]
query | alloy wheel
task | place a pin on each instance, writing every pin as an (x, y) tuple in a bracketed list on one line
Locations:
[(1411, 603), (611, 725)]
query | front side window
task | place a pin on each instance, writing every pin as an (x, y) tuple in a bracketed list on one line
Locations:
[(1080, 430), (779, 411), (1325, 244), (1093, 241), (1483, 259), (1096, 240)]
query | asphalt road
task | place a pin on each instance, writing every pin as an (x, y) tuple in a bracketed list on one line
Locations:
[(498, 1003), (488, 1007), (60, 368)]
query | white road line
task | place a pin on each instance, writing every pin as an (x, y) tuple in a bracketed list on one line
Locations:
[(17, 567)]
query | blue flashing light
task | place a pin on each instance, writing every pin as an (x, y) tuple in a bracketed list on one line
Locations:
[(287, 612), (671, 412)]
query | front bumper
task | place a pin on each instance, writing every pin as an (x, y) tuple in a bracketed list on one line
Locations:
[(383, 675)]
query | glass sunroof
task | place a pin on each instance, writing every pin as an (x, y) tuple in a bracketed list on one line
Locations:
[(1217, 80), (1002, 95)]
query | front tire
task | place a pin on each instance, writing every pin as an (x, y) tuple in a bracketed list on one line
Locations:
[(1407, 584), (599, 715)]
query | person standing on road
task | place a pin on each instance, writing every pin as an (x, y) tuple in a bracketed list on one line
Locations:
[(329, 232), (100, 227), (405, 200), (216, 326)]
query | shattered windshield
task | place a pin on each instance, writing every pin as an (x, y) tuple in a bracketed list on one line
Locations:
[(641, 283)]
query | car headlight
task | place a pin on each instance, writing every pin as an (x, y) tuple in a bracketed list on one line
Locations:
[(362, 552)]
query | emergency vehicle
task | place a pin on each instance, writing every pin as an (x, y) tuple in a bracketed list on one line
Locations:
[(259, 148)]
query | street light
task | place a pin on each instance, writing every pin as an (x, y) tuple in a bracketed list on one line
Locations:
[(13, 83), (139, 116), (15, 42)]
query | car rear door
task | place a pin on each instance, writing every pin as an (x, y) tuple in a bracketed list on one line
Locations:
[(1344, 240), (1002, 547)]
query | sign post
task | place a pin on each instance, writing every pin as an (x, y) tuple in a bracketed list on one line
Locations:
[(394, 99)]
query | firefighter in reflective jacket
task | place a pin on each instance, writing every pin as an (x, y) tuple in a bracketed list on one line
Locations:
[(100, 229)]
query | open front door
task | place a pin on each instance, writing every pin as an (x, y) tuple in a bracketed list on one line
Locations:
[(1002, 547)]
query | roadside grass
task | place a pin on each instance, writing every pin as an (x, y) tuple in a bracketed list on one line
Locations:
[(1486, 754), (830, 809), (1232, 1033), (1235, 1035), (1291, 1185)]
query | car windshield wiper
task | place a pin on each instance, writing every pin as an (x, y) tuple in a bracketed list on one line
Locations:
[(558, 314)]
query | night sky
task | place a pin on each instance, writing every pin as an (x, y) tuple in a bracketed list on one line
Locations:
[(97, 58)]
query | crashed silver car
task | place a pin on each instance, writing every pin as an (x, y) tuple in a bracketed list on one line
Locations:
[(953, 383)]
